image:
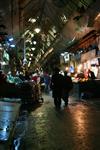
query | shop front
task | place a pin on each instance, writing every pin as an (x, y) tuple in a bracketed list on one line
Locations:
[(90, 61), (90, 66), (87, 75)]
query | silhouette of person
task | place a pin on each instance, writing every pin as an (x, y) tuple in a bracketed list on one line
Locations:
[(67, 86), (91, 75), (27, 75), (56, 87), (47, 82)]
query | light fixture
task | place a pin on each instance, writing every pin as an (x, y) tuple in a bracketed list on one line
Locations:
[(37, 30), (32, 20), (12, 45), (34, 42), (39, 18), (24, 61), (30, 58), (11, 39), (33, 48), (31, 54)]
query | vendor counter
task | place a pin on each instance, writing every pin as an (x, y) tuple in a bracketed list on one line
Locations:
[(27, 91), (88, 89)]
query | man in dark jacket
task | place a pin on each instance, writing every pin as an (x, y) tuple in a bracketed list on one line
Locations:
[(67, 86), (56, 87)]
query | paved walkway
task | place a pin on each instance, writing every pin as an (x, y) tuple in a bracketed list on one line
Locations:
[(75, 127)]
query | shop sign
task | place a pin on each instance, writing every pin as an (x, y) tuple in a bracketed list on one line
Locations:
[(66, 57)]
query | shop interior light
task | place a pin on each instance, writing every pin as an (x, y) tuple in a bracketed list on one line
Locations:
[(79, 68), (66, 68)]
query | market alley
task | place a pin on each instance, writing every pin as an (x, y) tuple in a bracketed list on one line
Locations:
[(75, 127)]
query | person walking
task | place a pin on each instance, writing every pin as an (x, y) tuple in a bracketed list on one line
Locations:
[(67, 86), (47, 82), (91, 75), (56, 87)]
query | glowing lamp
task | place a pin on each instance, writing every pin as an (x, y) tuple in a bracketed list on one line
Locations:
[(37, 30)]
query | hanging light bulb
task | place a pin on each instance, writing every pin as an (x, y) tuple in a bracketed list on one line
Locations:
[(37, 30), (34, 42), (33, 48), (12, 45)]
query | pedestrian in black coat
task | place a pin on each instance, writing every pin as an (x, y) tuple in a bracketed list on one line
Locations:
[(56, 87), (67, 86)]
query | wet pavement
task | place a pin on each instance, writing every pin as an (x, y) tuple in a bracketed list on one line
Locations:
[(75, 127), (9, 113)]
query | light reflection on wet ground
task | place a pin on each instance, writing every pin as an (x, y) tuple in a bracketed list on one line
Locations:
[(76, 127)]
